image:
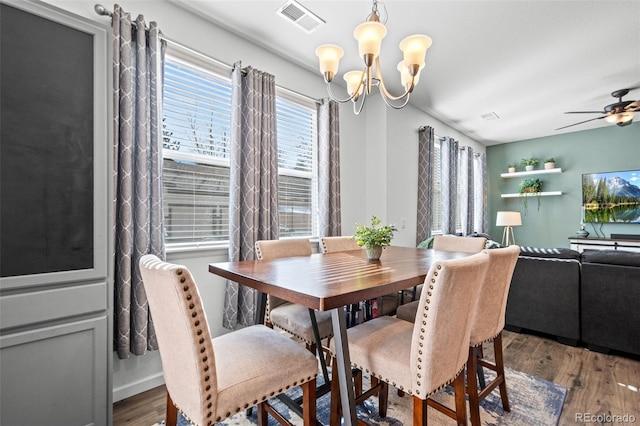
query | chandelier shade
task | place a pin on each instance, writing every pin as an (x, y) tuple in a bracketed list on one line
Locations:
[(360, 83)]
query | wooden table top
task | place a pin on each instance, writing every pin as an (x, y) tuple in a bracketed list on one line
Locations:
[(328, 281)]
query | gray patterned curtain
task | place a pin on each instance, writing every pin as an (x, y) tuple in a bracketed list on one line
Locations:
[(426, 144), (138, 60), (253, 196), (449, 179), (467, 191), (329, 168), (480, 217)]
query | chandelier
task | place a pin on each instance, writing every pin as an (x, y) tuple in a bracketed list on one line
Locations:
[(360, 83)]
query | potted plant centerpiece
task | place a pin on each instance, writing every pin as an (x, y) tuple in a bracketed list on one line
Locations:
[(374, 238), (529, 163), (529, 187)]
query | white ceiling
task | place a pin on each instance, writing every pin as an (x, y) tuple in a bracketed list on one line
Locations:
[(527, 61)]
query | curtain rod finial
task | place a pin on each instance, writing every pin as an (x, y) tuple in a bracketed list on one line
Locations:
[(101, 10)]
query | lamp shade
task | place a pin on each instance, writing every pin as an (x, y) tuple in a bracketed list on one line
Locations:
[(353, 79), (405, 76), (508, 219), (414, 49), (369, 36), (329, 57)]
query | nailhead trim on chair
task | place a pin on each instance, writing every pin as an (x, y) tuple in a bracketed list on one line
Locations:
[(201, 341)]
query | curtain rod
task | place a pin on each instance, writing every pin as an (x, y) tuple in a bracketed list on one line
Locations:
[(103, 11)]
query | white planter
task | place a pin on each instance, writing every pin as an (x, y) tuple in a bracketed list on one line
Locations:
[(549, 165), (528, 168), (512, 170)]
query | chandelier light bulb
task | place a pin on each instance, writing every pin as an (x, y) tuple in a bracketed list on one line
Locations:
[(415, 48), (329, 57), (369, 36), (405, 75), (353, 79)]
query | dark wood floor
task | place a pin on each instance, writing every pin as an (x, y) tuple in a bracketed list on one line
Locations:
[(597, 383)]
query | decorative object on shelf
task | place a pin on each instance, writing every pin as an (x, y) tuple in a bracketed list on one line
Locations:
[(530, 187), (582, 233), (508, 219), (360, 83), (550, 163), (529, 163), (374, 238), (511, 168)]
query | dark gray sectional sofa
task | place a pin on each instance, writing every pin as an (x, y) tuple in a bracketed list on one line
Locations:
[(610, 300), (591, 298)]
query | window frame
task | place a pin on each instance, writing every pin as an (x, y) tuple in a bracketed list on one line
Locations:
[(202, 63)]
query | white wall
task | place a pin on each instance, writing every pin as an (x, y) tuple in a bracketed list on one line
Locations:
[(378, 158)]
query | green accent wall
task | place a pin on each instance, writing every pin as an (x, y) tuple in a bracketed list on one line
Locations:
[(606, 149)]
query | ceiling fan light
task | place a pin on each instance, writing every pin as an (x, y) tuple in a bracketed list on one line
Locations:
[(414, 49), (353, 79), (369, 35), (329, 57), (622, 117)]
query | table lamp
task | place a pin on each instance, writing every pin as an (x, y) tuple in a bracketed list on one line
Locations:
[(508, 220)]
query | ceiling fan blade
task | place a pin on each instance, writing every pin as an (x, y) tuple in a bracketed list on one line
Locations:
[(585, 112), (581, 122)]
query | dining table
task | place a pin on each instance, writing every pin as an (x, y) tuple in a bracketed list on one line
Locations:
[(331, 281)]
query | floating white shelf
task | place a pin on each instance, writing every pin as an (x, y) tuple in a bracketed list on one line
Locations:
[(539, 194), (532, 172)]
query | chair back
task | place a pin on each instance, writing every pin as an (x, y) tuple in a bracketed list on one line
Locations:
[(461, 244), (492, 301), (441, 332), (336, 244), (273, 249), (184, 339)]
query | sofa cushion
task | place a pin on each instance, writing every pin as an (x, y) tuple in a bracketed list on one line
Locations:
[(611, 257), (549, 253)]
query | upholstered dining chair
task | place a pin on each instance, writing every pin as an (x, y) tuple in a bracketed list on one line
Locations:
[(386, 304), (487, 326), (292, 318), (422, 357), (209, 379), (407, 311), (462, 244)]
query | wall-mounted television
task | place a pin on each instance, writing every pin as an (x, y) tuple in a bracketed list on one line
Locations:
[(611, 197)]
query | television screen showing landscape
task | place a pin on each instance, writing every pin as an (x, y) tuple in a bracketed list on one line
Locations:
[(612, 197)]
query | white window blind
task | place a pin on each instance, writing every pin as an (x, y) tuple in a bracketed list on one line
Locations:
[(297, 183), (196, 143), (196, 138)]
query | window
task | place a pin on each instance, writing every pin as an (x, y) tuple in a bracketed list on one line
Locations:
[(196, 137), (196, 148), (297, 183)]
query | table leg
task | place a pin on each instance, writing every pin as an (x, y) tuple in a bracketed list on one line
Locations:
[(345, 378)]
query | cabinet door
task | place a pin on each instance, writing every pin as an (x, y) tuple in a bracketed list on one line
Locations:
[(56, 375), (55, 291)]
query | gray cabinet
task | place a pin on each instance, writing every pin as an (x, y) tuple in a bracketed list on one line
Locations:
[(55, 288)]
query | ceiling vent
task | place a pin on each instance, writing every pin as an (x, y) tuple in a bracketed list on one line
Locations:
[(294, 12), (490, 116)]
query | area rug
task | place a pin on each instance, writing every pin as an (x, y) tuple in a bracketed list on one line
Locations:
[(534, 401)]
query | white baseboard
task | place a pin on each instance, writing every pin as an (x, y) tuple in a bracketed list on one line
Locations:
[(134, 388)]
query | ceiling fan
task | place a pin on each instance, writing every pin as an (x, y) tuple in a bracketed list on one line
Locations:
[(619, 113)]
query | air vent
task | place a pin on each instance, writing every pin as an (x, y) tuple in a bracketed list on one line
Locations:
[(294, 12), (490, 116)]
